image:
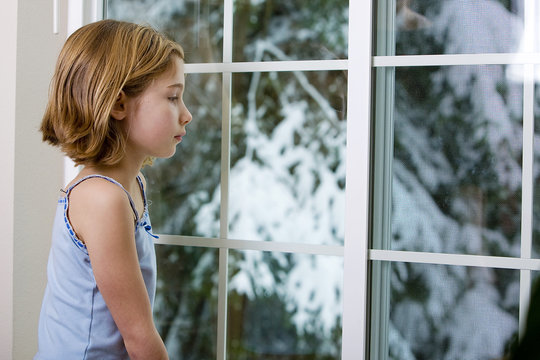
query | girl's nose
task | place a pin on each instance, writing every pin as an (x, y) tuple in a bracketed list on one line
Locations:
[(185, 117)]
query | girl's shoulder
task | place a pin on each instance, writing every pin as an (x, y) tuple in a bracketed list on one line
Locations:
[(95, 189), (97, 200), (98, 188)]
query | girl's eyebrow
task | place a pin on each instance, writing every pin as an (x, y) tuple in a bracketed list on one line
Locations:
[(178, 85)]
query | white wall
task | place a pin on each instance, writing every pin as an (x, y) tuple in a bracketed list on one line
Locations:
[(8, 29), (32, 171)]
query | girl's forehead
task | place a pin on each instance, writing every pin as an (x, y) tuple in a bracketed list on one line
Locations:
[(175, 75), (177, 66)]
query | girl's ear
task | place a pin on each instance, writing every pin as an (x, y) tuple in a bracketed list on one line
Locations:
[(119, 110)]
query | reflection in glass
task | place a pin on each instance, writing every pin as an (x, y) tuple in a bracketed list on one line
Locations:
[(447, 312), (194, 24), (179, 186), (287, 179), (284, 306), (425, 27), (290, 30), (456, 159), (185, 310)]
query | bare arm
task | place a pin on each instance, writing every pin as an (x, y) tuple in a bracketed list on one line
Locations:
[(113, 255)]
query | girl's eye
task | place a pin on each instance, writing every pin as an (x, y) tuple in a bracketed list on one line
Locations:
[(173, 98)]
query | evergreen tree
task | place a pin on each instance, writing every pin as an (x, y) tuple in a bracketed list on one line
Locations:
[(456, 182)]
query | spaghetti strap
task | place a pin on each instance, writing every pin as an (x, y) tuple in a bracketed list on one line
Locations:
[(114, 182), (143, 192)]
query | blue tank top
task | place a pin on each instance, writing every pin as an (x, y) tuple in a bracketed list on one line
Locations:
[(75, 322)]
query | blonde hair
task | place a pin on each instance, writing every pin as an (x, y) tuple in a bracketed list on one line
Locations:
[(97, 62)]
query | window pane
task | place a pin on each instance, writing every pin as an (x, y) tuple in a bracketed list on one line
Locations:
[(284, 306), (445, 312), (185, 311), (536, 171), (287, 180), (455, 160), (424, 27), (290, 30), (194, 24), (180, 186)]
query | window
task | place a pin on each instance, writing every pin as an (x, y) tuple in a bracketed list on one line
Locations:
[(453, 226), (401, 224), (250, 210)]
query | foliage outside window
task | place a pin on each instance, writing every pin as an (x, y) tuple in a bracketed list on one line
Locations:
[(448, 148), (447, 170), (286, 180)]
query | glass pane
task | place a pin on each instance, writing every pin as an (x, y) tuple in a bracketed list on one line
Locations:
[(290, 30), (444, 312), (185, 311), (455, 163), (180, 186), (425, 27), (287, 180), (197, 25), (536, 171), (284, 306)]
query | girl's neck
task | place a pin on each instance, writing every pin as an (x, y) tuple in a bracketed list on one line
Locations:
[(124, 172)]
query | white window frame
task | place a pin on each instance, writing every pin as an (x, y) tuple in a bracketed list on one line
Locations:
[(83, 12), (529, 59), (356, 252)]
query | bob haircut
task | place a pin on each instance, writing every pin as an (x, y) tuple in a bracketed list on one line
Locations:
[(97, 62)]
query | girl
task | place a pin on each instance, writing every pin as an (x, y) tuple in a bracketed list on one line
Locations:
[(115, 102)]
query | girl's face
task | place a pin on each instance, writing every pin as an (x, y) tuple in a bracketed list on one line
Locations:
[(156, 120)]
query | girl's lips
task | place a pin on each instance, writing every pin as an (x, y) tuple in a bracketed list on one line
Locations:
[(179, 137)]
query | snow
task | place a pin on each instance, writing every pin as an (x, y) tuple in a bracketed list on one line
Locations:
[(462, 307), (142, 11), (484, 327), (285, 189), (477, 27), (306, 207)]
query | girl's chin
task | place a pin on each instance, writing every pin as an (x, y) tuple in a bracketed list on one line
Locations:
[(165, 154), (169, 155)]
